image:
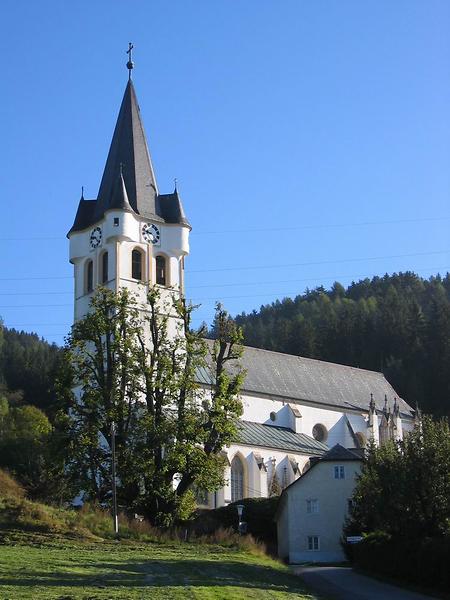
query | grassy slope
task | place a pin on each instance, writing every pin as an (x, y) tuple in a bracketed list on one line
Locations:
[(111, 570), (50, 553)]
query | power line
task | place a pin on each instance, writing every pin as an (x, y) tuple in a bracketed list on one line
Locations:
[(33, 305), (244, 284), (321, 226), (316, 263), (36, 278), (35, 293), (319, 277), (258, 267), (215, 298), (264, 229)]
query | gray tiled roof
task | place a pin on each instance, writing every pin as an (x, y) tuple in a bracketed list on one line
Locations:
[(305, 379), (137, 190), (272, 436), (340, 453)]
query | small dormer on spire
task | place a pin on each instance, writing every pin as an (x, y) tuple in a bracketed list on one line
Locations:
[(119, 198)]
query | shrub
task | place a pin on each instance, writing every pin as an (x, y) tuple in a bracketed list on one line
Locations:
[(9, 488), (258, 514), (423, 561)]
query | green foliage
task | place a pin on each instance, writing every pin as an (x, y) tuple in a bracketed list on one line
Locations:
[(9, 487), (133, 371), (404, 487), (28, 364), (258, 513), (424, 562), (28, 449), (398, 324)]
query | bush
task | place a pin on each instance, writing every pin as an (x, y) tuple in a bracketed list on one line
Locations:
[(423, 561), (9, 488), (258, 514)]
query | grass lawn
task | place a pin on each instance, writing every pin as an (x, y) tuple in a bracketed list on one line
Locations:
[(67, 570)]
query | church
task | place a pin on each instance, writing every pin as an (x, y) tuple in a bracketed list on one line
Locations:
[(294, 408)]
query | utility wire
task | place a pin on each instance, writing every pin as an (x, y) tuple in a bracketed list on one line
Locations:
[(237, 284), (265, 229), (315, 263), (258, 267)]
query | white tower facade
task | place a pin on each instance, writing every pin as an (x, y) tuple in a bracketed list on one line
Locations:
[(130, 235)]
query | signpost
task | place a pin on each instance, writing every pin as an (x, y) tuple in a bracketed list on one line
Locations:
[(113, 478)]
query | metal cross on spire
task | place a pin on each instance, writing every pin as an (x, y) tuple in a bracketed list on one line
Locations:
[(130, 63)]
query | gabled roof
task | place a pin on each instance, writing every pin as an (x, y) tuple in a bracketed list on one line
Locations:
[(304, 379), (336, 454), (128, 181), (272, 436), (339, 453)]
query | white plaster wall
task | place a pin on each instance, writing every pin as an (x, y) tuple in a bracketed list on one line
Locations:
[(333, 495), (258, 409), (257, 481), (120, 241)]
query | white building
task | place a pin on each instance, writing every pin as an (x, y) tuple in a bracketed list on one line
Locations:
[(312, 510), (294, 408)]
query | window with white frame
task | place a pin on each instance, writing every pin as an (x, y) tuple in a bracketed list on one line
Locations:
[(313, 543), (312, 506), (339, 472)]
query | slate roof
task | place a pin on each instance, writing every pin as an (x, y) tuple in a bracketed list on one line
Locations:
[(340, 453), (304, 379), (272, 436), (128, 180)]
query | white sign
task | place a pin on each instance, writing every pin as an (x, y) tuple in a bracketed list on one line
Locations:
[(354, 539)]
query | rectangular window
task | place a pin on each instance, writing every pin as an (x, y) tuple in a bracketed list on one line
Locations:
[(116, 221), (312, 506), (313, 543), (349, 505), (339, 472)]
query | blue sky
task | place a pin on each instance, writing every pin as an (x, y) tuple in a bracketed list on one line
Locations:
[(310, 140)]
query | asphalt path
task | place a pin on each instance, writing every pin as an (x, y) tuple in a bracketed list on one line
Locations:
[(342, 583)]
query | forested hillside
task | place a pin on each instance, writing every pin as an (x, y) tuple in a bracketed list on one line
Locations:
[(27, 368), (398, 324)]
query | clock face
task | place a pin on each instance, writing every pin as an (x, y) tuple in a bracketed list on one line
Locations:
[(151, 233), (96, 237)]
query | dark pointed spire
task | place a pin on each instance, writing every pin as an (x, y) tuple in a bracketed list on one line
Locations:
[(119, 198), (129, 149)]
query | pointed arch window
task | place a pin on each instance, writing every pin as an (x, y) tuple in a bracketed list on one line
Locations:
[(137, 261), (237, 479), (105, 275), (89, 276), (161, 270)]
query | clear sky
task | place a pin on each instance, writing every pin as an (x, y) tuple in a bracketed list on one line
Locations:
[(310, 140)]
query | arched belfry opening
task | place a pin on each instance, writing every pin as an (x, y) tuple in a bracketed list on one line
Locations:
[(137, 264)]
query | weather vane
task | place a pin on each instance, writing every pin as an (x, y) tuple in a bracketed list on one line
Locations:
[(130, 63)]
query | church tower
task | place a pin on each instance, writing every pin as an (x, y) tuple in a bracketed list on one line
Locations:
[(130, 235)]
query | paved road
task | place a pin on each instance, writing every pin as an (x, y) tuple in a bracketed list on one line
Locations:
[(342, 583)]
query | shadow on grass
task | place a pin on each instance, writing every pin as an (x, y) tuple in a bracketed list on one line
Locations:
[(162, 573)]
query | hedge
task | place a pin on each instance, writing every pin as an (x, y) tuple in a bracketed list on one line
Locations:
[(258, 513), (423, 562)]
